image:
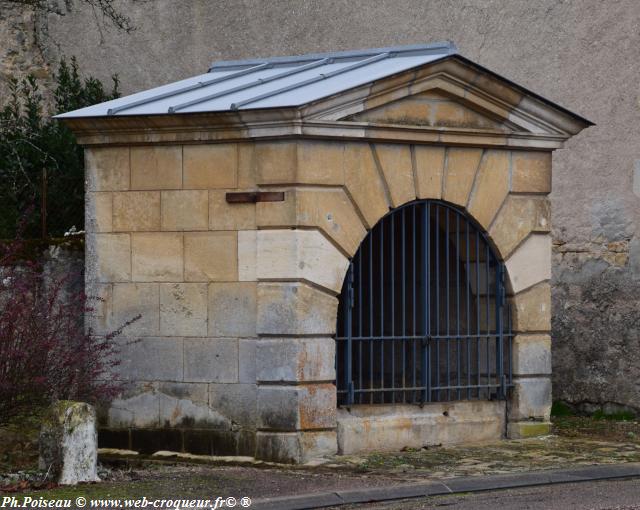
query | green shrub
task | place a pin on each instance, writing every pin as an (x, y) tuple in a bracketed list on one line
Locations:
[(559, 408), (41, 165)]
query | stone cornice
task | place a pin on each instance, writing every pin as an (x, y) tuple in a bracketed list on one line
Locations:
[(198, 129)]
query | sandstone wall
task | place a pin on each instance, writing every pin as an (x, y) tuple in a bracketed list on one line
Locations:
[(581, 54)]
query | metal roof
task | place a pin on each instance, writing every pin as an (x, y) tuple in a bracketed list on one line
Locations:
[(271, 82)]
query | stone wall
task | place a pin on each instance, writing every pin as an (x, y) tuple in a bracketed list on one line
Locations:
[(575, 53), (234, 352)]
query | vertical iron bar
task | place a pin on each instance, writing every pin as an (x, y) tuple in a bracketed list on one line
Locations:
[(348, 318), (360, 367), (510, 352), (381, 241), (404, 307), (499, 338), (478, 308), (468, 274), (370, 289), (425, 373), (393, 310), (437, 290), (447, 311), (488, 319), (458, 355), (413, 303)]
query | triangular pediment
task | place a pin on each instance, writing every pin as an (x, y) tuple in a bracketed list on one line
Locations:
[(452, 94), (433, 108)]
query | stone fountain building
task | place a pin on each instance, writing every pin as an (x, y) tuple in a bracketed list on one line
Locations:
[(329, 253)]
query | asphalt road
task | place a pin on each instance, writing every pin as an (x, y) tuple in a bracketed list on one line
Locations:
[(602, 495)]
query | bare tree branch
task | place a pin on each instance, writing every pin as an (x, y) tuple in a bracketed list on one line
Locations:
[(118, 19)]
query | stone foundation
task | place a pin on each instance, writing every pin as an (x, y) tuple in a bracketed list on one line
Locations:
[(395, 427)]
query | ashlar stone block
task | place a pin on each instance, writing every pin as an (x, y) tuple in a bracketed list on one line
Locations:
[(211, 256), (302, 407), (237, 402), (397, 168), (247, 360), (295, 359), (531, 172), (107, 168), (364, 183), (491, 187), (533, 309), (157, 257), (211, 166), (300, 254), (429, 169), (532, 355), (332, 211), (461, 167), (108, 257), (156, 167), (189, 413), (295, 447), (247, 165), (225, 216), (247, 255), (320, 162), (99, 316), (278, 214), (99, 211), (183, 309), (531, 399), (140, 410), (211, 360), (232, 309), (133, 299), (276, 162), (530, 263), (152, 359), (294, 308), (300, 162), (185, 210), (329, 209), (136, 211), (518, 217)]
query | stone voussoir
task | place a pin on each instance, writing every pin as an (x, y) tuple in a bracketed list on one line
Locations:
[(295, 308), (300, 254)]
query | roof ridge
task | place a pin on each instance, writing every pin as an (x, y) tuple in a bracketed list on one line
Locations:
[(419, 49)]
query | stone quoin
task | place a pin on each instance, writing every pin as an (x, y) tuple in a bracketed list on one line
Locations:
[(239, 297)]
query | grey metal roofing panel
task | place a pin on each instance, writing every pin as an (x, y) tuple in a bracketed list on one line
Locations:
[(270, 83)]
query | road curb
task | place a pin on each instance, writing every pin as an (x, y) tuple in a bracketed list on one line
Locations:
[(452, 486)]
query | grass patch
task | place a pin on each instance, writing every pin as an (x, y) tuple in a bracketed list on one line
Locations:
[(619, 416)]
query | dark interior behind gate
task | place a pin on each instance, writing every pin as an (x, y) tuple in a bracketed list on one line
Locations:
[(423, 315)]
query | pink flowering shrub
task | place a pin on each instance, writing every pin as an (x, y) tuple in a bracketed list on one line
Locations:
[(46, 354)]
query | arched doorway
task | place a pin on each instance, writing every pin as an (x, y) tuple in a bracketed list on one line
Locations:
[(423, 315)]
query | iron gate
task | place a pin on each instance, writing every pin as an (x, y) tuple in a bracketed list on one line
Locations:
[(423, 315)]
